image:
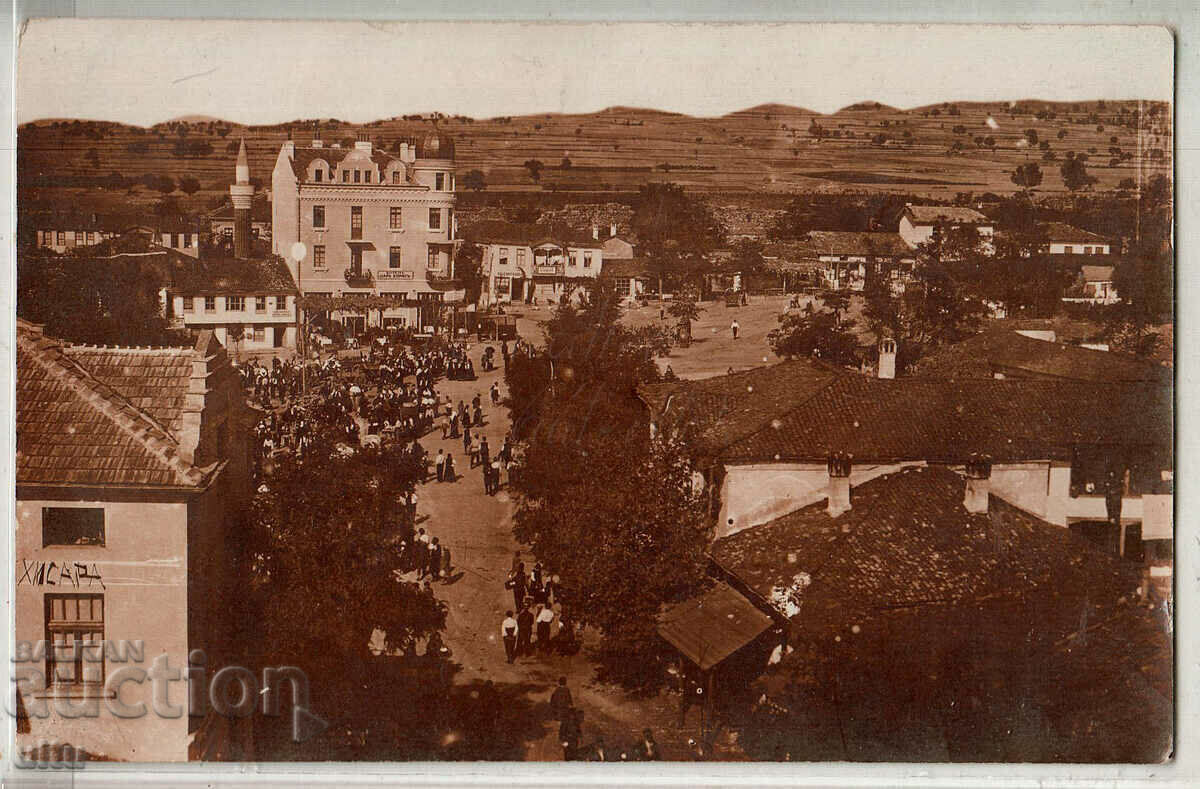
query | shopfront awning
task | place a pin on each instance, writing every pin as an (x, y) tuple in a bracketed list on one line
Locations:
[(709, 628)]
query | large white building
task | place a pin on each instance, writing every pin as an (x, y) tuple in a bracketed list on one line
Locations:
[(536, 263), (373, 222), (922, 223)]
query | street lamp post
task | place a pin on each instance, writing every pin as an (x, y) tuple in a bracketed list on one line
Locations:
[(299, 251)]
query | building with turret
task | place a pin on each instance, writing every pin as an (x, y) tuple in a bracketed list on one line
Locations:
[(372, 223)]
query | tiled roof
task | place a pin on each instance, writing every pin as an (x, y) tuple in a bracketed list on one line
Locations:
[(153, 380), (907, 541), (1015, 355), (229, 275), (75, 427), (306, 156), (945, 420), (712, 626), (716, 412), (829, 242), (626, 267), (1061, 232), (1097, 273), (106, 222), (942, 214)]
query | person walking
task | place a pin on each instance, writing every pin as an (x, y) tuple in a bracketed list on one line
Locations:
[(524, 631), (561, 702), (450, 475), (466, 438), (735, 328), (440, 465), (508, 632), (495, 392)]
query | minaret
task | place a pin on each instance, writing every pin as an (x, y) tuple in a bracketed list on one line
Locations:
[(241, 194)]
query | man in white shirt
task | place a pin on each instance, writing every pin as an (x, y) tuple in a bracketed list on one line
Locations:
[(508, 631)]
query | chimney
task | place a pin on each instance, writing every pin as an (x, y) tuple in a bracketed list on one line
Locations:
[(316, 141), (839, 483), (241, 194), (979, 474), (612, 230), (887, 358), (596, 232), (363, 143)]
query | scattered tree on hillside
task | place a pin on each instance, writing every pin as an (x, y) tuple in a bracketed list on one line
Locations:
[(1027, 176), (1032, 136), (1074, 173), (189, 185), (535, 169), (473, 179)]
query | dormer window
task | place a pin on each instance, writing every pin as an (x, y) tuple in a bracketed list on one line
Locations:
[(317, 175), (397, 176), (345, 176), (358, 176)]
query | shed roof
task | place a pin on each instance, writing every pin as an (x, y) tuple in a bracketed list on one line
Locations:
[(712, 626)]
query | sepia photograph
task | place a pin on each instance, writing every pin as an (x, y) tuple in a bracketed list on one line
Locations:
[(453, 392)]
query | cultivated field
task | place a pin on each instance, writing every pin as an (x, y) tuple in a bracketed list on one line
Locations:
[(935, 151)]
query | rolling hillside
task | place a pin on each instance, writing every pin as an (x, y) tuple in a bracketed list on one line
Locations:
[(935, 151)]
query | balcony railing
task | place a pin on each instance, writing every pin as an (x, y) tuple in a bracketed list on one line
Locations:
[(358, 279)]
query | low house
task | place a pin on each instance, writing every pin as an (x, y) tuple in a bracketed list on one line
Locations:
[(249, 304), (846, 257), (179, 233), (883, 589), (132, 467), (631, 277), (64, 231), (534, 263), (1094, 285), (922, 223), (1064, 239), (1009, 353), (1074, 453)]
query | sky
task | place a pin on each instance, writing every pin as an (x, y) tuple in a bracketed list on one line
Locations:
[(260, 72)]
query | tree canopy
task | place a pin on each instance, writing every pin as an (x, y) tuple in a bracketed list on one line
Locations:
[(675, 232), (605, 507)]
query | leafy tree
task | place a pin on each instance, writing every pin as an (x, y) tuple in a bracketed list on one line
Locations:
[(164, 184), (628, 547), (223, 131), (98, 302), (1032, 136), (189, 185), (1027, 175), (330, 516), (676, 233), (1074, 173), (685, 310), (468, 269), (473, 179), (535, 169), (814, 333)]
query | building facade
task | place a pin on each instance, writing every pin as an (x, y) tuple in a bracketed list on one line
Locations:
[(250, 305), (132, 466), (536, 264), (920, 224), (1064, 239), (372, 222)]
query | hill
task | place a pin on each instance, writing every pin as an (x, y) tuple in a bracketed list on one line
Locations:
[(936, 151)]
